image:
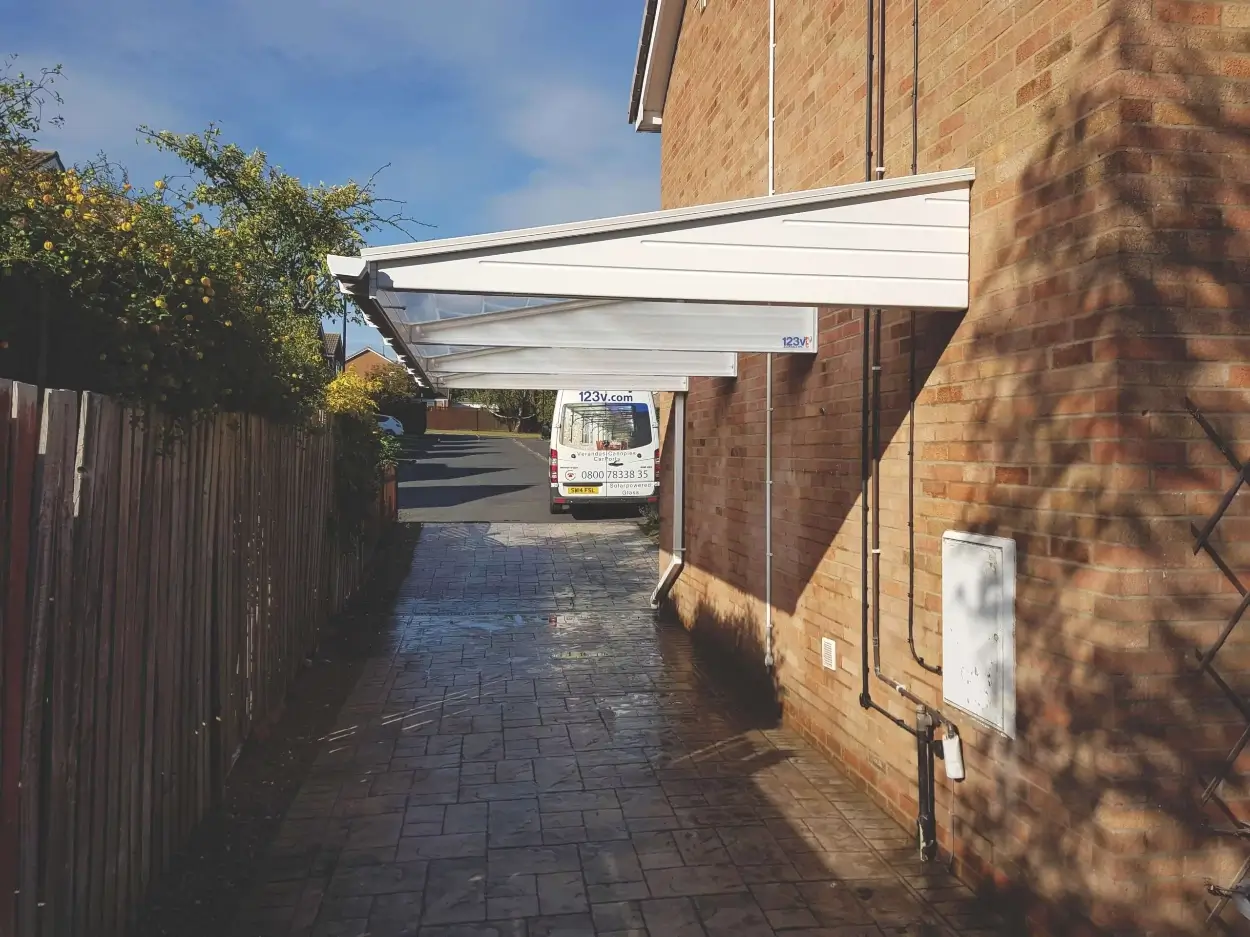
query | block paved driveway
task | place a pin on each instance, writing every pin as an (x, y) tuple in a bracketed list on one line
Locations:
[(532, 756)]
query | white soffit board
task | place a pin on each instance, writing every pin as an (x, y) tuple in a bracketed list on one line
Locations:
[(551, 361), (893, 243), (614, 382), (633, 325)]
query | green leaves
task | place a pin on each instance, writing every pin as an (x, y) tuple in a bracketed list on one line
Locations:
[(201, 295)]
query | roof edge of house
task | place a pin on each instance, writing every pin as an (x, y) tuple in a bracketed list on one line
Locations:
[(657, 49)]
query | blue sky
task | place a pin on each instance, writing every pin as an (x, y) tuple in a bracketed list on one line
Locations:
[(491, 114)]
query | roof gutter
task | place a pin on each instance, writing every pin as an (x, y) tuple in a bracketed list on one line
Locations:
[(657, 48)]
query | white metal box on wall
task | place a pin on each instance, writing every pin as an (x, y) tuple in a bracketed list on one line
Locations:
[(979, 627)]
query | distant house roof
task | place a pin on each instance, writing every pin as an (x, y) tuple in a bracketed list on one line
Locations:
[(46, 159), (334, 344), (365, 362)]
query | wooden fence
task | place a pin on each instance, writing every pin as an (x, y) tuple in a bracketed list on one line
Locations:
[(157, 596)]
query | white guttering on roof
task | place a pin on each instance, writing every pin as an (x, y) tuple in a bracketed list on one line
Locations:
[(657, 48)]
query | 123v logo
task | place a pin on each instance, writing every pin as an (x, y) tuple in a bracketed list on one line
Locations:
[(796, 341)]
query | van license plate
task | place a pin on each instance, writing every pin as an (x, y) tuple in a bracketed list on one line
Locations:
[(582, 489)]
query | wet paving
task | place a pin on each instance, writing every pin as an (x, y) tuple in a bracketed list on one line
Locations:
[(530, 755)]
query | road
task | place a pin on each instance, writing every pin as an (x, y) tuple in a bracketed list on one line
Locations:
[(491, 479)]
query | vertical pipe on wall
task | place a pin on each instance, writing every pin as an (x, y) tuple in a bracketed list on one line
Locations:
[(768, 365), (875, 469), (926, 792), (911, 366), (881, 95), (915, 86), (678, 559), (865, 695)]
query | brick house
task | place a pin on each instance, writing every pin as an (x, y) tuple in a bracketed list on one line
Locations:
[(365, 362), (1109, 268)]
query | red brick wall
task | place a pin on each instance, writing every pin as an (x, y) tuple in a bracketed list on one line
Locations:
[(1109, 268)]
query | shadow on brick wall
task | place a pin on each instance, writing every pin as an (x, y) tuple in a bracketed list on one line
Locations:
[(1130, 231)]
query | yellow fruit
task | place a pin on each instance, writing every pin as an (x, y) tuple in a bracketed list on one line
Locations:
[(204, 281), (206, 300), (48, 200), (159, 184), (47, 245), (189, 281), (228, 323), (69, 213)]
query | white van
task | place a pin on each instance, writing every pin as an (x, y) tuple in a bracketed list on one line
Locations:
[(605, 449)]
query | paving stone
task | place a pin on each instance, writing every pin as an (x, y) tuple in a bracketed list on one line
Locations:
[(455, 891), (561, 893), (383, 879), (535, 860), (617, 916), (673, 917), (694, 880), (454, 846)]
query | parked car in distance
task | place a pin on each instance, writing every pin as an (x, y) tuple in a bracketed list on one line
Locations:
[(390, 425)]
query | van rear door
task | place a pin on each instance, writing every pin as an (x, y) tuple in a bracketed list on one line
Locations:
[(606, 445)]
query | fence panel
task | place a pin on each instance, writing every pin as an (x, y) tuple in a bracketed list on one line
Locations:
[(158, 592)]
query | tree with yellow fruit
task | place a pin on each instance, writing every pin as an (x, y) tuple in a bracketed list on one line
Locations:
[(197, 297)]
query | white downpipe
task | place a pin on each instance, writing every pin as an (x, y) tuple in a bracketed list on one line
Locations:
[(677, 561), (768, 377)]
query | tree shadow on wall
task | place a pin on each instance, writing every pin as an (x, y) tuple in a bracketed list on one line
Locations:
[(1127, 232)]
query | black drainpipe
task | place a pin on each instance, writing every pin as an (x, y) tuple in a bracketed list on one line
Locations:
[(926, 811), (865, 696), (870, 462), (911, 364)]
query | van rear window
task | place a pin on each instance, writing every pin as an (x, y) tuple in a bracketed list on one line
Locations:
[(605, 426)]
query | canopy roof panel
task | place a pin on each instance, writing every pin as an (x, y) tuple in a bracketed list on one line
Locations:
[(632, 325), (579, 361), (612, 382), (741, 276), (898, 243)]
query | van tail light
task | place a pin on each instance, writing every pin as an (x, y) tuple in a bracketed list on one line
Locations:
[(657, 464), (555, 467)]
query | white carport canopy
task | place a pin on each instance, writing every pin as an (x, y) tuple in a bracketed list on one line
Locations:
[(681, 288)]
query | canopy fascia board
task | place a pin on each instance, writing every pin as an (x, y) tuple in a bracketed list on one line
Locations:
[(605, 382), (629, 325), (572, 362), (891, 243)]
